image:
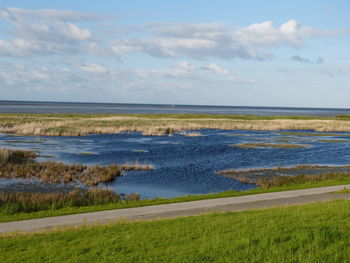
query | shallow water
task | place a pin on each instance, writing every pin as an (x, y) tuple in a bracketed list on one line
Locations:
[(183, 165)]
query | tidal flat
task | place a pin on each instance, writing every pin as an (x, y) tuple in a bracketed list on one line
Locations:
[(178, 165)]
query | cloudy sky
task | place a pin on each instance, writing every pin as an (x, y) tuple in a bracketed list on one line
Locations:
[(225, 52)]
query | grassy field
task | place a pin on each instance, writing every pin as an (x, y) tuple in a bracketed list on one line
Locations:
[(310, 233), (71, 209), (159, 124)]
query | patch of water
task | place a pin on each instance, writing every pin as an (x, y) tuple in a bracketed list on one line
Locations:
[(186, 165)]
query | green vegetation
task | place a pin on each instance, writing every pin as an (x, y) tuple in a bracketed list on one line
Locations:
[(12, 203), (343, 191), (47, 156), (258, 145), (279, 181), (312, 233)]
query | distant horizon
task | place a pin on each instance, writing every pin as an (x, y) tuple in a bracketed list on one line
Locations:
[(166, 104)]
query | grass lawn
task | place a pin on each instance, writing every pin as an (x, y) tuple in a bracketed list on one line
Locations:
[(4, 217), (311, 233)]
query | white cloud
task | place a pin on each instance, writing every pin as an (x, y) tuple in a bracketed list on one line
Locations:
[(204, 40), (218, 70), (93, 68), (214, 68), (43, 32), (48, 31), (15, 14), (185, 70), (181, 70)]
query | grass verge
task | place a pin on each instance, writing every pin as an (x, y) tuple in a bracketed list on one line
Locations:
[(310, 233)]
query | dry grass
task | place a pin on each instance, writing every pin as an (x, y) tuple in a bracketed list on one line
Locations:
[(22, 164), (284, 176), (55, 172), (67, 125), (135, 166), (16, 156)]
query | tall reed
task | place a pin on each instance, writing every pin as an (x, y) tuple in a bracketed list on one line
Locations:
[(11, 203)]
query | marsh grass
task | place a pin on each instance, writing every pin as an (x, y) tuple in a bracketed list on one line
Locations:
[(285, 176), (15, 163), (56, 172), (259, 145), (159, 124), (129, 166), (16, 156), (279, 181), (11, 203)]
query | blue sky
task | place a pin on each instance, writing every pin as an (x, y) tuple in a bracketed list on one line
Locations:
[(242, 53)]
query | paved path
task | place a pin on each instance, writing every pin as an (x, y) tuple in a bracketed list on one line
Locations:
[(256, 201)]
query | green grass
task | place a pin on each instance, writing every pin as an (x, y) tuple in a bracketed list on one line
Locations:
[(311, 233), (343, 191), (146, 202)]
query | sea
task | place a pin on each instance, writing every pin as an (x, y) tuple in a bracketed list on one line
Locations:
[(122, 108)]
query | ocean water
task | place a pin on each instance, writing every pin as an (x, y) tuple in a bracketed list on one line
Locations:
[(183, 165), (73, 107)]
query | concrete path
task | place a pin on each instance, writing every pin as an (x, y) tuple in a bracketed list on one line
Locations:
[(257, 201)]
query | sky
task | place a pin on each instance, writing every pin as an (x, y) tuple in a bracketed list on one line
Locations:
[(224, 52)]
